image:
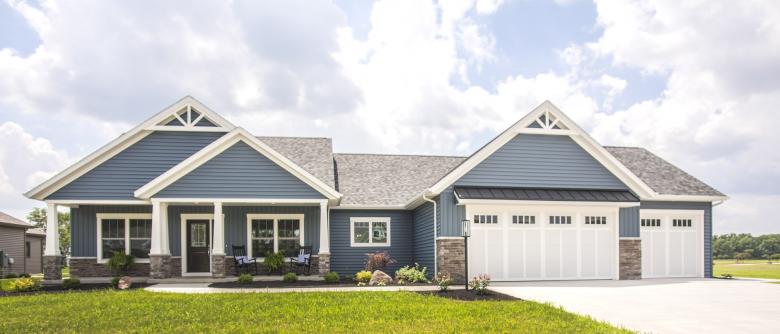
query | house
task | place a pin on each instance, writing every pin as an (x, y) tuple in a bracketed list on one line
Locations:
[(543, 200), (21, 245)]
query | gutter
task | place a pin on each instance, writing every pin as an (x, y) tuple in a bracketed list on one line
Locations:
[(435, 234)]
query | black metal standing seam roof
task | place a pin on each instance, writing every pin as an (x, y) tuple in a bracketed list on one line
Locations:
[(545, 194)]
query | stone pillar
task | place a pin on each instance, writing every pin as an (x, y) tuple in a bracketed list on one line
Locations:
[(52, 267), (160, 266), (630, 258), (450, 252), (323, 264), (218, 265)]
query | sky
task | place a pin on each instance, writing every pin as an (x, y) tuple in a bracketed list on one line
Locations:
[(696, 82)]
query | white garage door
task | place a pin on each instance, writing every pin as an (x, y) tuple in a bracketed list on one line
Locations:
[(515, 243), (672, 244)]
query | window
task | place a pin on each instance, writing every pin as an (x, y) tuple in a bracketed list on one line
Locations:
[(27, 249), (595, 220), (560, 220), (525, 220), (682, 222), (128, 233), (651, 222), (370, 231), (274, 233), (485, 219)]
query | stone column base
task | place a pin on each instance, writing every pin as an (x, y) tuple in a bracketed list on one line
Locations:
[(450, 258), (630, 259), (323, 265), (218, 265), (160, 266), (52, 267)]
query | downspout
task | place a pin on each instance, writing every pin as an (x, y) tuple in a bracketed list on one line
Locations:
[(435, 234)]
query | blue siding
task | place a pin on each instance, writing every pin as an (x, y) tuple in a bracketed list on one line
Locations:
[(120, 176), (629, 222), (239, 172), (707, 207), (83, 225), (541, 161), (347, 260), (423, 236), (451, 215)]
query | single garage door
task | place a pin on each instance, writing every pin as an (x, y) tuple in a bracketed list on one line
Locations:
[(672, 244), (516, 243)]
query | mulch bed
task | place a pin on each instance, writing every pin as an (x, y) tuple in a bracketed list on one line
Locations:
[(469, 295), (299, 284), (60, 289)]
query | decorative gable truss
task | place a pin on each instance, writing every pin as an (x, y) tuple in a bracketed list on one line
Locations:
[(191, 118), (547, 121)]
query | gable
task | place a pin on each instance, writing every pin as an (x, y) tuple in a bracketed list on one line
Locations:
[(118, 177), (541, 161), (239, 171)]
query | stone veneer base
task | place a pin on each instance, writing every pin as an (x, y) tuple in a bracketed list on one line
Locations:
[(218, 266), (160, 266), (630, 251), (52, 267), (450, 258)]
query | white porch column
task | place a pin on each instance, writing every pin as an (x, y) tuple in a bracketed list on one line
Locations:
[(218, 247), (52, 231), (324, 229), (159, 229)]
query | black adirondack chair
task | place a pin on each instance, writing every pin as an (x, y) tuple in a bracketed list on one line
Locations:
[(240, 252), (301, 260)]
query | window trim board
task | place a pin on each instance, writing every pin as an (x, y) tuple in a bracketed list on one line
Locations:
[(127, 217), (275, 217), (371, 221)]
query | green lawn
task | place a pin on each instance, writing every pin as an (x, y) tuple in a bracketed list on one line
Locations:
[(747, 268), (141, 311)]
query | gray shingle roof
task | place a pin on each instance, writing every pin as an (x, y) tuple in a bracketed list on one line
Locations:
[(315, 155), (36, 232), (7, 219), (663, 177), (378, 179)]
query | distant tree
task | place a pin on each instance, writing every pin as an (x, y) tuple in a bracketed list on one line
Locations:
[(741, 257), (38, 217)]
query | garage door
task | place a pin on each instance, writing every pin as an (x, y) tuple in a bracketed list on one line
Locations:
[(516, 243), (671, 244)]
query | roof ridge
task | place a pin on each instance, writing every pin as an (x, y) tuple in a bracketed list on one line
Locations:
[(404, 155)]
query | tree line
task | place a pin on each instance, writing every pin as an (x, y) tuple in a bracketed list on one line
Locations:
[(745, 246)]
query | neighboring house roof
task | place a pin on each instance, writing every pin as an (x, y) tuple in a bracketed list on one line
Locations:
[(8, 220), (36, 232), (545, 194), (659, 174), (315, 155), (379, 179)]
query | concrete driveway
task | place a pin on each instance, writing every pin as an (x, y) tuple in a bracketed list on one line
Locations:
[(664, 305)]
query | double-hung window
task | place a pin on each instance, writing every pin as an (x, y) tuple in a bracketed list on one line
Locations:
[(127, 233), (370, 231), (274, 233)]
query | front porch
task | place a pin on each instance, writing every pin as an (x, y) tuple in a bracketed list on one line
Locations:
[(191, 237)]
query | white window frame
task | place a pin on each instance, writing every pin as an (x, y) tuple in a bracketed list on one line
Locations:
[(275, 218), (127, 217), (371, 221)]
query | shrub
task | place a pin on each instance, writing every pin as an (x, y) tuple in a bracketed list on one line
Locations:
[(115, 281), (443, 280), (25, 275), (245, 278), (71, 283), (480, 283), (332, 277), (378, 261), (363, 277), (775, 257), (11, 275), (742, 256), (25, 284), (120, 262), (273, 261), (409, 274), (290, 277)]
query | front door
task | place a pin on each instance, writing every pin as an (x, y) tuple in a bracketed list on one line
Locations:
[(198, 242)]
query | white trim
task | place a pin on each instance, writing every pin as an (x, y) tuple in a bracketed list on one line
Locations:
[(187, 128), (554, 132), (547, 203), (126, 216), (368, 207), (371, 221), (448, 238), (275, 217), (183, 240), (219, 146), (98, 202), (211, 200), (117, 145)]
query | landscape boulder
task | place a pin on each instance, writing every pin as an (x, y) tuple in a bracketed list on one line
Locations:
[(380, 278), (124, 283)]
